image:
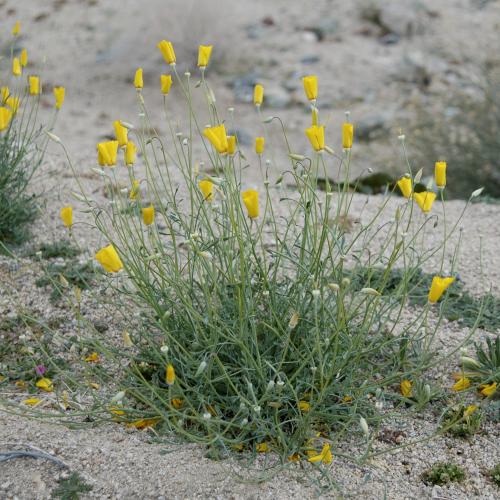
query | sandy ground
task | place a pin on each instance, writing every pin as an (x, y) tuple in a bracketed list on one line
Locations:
[(93, 47)]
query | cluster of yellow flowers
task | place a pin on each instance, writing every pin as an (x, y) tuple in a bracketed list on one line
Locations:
[(9, 101)]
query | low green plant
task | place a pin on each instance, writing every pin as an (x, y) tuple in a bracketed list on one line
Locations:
[(462, 421), (72, 273), (443, 473), (264, 323), (71, 487), (56, 249), (495, 474), (485, 367)]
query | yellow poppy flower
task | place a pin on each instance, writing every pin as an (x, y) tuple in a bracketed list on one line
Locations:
[(251, 200), (294, 457), (258, 94), (259, 145), (405, 185), (107, 152), (325, 456), (425, 200), (45, 384), (59, 94), (440, 174), (92, 358), (34, 84), (304, 406), (167, 51), (138, 79), (121, 133), (16, 67), (130, 153), (166, 83), (316, 136), (177, 403), (405, 388), (438, 287), (469, 410), (148, 215), (231, 144), (170, 375), (23, 58), (311, 87), (144, 423), (16, 29), (5, 117), (207, 188), (109, 259), (13, 103), (66, 214), (204, 53), (488, 390), (347, 135), (461, 384), (262, 447), (217, 137)]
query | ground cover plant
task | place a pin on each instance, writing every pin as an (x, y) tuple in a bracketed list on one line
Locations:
[(265, 323), (22, 143)]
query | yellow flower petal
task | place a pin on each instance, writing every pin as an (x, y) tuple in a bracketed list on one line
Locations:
[(251, 200), (406, 388), (462, 384), (440, 174), (92, 358), (170, 375), (438, 287), (204, 53), (405, 184), (258, 94), (488, 389), (425, 200), (66, 214), (109, 259), (311, 87), (45, 384), (32, 401), (148, 215)]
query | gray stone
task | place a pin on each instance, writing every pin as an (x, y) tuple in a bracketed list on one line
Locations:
[(404, 17), (370, 125)]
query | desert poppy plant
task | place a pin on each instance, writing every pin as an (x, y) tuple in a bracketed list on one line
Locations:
[(405, 185), (204, 53), (167, 51), (316, 136), (217, 137), (425, 200), (311, 87)]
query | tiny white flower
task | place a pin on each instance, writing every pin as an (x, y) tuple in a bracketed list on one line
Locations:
[(207, 416)]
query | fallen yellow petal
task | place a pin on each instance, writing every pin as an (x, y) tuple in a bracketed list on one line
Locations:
[(462, 384), (32, 401), (45, 384)]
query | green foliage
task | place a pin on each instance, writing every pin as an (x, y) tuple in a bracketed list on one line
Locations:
[(71, 487), (461, 421), (76, 274), (488, 358), (62, 248), (495, 474), (443, 473), (19, 160)]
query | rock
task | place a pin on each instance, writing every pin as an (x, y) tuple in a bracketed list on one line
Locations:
[(312, 59), (404, 17), (100, 325), (389, 39), (243, 87), (370, 125), (309, 36), (324, 28), (244, 138), (414, 68), (275, 96)]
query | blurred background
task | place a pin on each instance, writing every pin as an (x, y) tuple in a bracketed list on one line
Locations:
[(428, 69)]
